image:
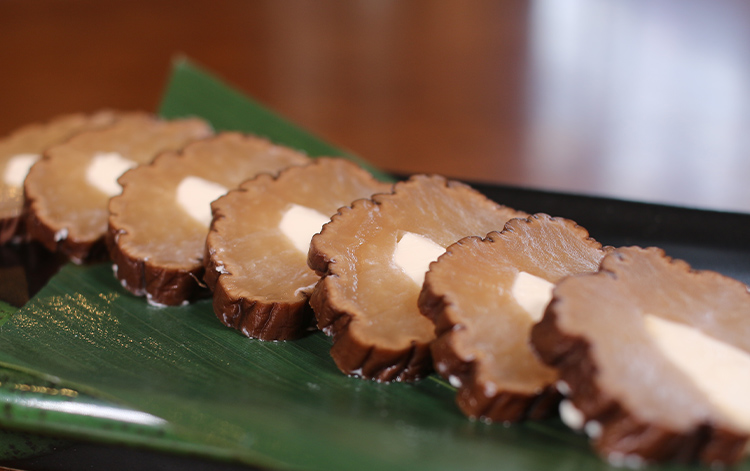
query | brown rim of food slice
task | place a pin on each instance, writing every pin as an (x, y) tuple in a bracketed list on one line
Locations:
[(365, 300), (484, 295), (645, 349), (159, 223), (68, 214), (256, 252), (21, 149)]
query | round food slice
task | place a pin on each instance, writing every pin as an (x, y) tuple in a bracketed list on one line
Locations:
[(256, 252), (373, 257), (654, 357), (21, 149), (67, 191), (484, 295), (158, 224)]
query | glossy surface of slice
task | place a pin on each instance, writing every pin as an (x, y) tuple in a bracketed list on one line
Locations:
[(482, 324), (598, 331), (68, 214), (155, 243), (365, 301), (260, 278)]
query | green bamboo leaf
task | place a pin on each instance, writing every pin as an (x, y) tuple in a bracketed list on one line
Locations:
[(6, 310), (15, 445), (283, 404)]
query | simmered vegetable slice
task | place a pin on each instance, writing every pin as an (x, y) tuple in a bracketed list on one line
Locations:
[(21, 149), (654, 357), (159, 223), (373, 257), (484, 296), (68, 190), (256, 253)]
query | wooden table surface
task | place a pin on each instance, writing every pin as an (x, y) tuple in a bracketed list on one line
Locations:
[(646, 99)]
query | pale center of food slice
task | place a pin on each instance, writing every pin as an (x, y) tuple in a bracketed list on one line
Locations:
[(104, 170), (194, 195), (532, 293), (17, 168), (414, 253), (717, 369), (300, 223)]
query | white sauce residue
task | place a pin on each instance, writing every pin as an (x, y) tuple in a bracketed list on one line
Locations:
[(717, 369), (593, 429), (532, 293), (17, 168), (300, 223), (104, 170), (194, 195), (571, 415), (413, 255), (62, 234), (563, 387)]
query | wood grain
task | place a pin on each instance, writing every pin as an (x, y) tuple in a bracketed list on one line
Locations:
[(640, 100)]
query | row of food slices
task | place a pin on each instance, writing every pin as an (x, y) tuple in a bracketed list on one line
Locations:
[(524, 314)]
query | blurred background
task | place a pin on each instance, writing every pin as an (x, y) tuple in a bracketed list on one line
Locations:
[(645, 100)]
